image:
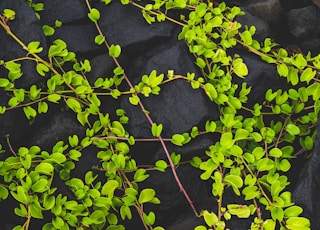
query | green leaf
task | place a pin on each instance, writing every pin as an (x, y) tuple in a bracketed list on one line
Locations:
[(156, 129), (226, 140), (150, 218), (94, 15), (241, 211), (200, 62), (98, 217), (147, 16), (125, 212), (236, 150), (210, 91), (270, 96), (40, 186), (201, 9), (175, 158), (107, 2), (293, 211), (308, 143), (58, 222), (57, 23), (240, 68), (210, 218), (44, 168), (140, 175), (269, 224), (236, 182), (265, 164), (307, 75), (13, 102), (9, 14), (300, 61), (2, 111), (99, 39), (275, 152), (55, 98), (58, 157), (134, 99), (109, 187), (283, 70), (3, 192), (29, 112), (20, 195), (42, 69), (178, 139), (22, 211), (33, 47), (74, 105), (293, 76), (49, 202), (161, 165), (210, 126), (241, 134), (14, 70), (200, 227), (115, 51), (4, 82), (161, 17), (246, 37), (284, 165), (251, 192), (277, 213), (58, 48), (48, 30), (292, 129), (117, 129), (298, 223), (42, 107), (180, 3), (146, 195)]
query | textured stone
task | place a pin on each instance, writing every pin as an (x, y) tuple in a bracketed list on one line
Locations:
[(310, 45), (52, 128), (79, 38), (124, 25), (268, 10), (67, 12), (304, 22)]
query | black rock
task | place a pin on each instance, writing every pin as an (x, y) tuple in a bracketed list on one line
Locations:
[(124, 25), (71, 11), (268, 10), (79, 39), (304, 22)]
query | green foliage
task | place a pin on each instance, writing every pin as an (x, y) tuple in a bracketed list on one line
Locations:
[(250, 156)]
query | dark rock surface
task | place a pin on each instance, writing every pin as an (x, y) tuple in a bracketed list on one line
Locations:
[(268, 10), (178, 107), (304, 22)]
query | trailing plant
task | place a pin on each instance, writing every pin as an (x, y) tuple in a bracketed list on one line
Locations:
[(250, 157)]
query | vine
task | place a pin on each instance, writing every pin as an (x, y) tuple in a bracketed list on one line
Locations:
[(251, 154)]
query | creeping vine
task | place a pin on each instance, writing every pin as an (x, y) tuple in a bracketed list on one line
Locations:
[(251, 154)]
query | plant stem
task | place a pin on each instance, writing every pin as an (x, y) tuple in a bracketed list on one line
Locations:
[(172, 166)]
